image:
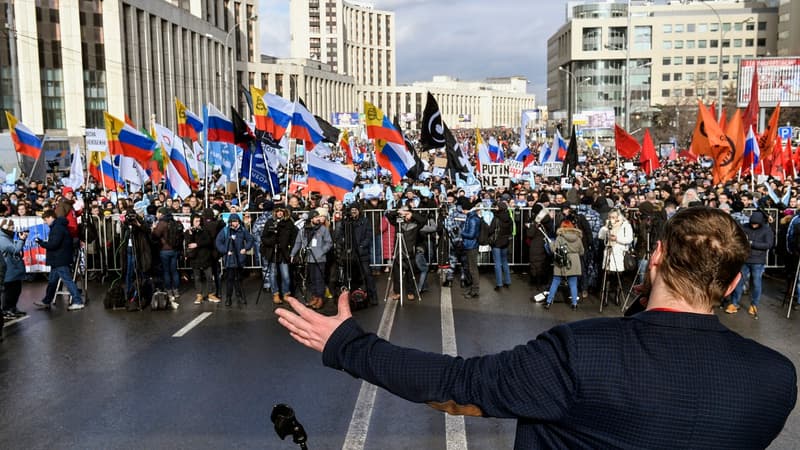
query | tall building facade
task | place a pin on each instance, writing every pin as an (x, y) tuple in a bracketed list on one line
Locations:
[(353, 38), (789, 28), (657, 54), (64, 62)]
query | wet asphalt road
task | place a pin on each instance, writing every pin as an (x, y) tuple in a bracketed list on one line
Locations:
[(98, 379)]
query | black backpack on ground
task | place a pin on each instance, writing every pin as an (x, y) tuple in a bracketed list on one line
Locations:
[(160, 301), (115, 297)]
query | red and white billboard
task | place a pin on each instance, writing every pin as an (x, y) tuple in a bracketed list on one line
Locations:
[(778, 81)]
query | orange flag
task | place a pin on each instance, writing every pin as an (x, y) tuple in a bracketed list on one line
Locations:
[(707, 136), (723, 121), (766, 141), (648, 159), (728, 159)]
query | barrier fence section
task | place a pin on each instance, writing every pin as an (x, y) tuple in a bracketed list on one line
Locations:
[(103, 254)]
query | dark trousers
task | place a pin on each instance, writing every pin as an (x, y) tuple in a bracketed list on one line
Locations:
[(408, 274), (472, 267), (12, 290), (202, 280), (233, 281), (316, 278)]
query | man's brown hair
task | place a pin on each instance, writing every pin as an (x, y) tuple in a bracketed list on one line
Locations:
[(704, 250), (48, 213)]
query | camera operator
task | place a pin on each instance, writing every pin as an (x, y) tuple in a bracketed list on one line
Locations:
[(277, 239), (353, 241), (618, 234), (233, 242), (314, 240), (199, 248), (409, 224), (136, 254)]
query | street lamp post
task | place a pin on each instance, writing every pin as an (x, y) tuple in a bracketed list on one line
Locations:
[(574, 100), (231, 72)]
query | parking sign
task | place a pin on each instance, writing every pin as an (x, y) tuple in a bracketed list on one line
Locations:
[(785, 132)]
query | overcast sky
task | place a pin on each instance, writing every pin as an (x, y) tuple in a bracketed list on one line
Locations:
[(466, 39)]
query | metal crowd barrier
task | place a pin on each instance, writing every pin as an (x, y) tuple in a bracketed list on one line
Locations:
[(103, 256)]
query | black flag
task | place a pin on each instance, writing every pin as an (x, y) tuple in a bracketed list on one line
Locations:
[(432, 134), (453, 161), (571, 159), (242, 136), (329, 132)]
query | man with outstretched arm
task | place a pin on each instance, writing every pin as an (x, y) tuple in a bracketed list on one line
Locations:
[(651, 380)]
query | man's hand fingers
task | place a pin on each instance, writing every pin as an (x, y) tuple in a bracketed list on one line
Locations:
[(344, 305)]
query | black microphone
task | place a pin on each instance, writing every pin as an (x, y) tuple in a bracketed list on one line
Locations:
[(286, 423)]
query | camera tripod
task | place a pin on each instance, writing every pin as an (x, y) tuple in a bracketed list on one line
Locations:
[(303, 270), (640, 271), (401, 252), (794, 289), (606, 263)]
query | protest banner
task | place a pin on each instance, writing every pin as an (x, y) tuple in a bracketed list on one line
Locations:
[(514, 168), (551, 169), (495, 175)]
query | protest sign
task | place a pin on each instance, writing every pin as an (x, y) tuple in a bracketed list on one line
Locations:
[(495, 175), (514, 168), (551, 169)]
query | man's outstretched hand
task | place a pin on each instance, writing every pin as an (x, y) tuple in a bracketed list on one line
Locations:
[(309, 327)]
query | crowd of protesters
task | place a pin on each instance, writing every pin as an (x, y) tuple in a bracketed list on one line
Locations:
[(306, 244)]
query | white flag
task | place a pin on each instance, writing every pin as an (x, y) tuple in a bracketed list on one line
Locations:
[(75, 179)]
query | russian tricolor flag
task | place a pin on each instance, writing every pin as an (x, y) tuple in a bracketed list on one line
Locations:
[(379, 127), (561, 147), (177, 186), (546, 154), (218, 128), (178, 159), (103, 170), (25, 141), (526, 157), (305, 127), (394, 158), (329, 178), (189, 124), (495, 152), (279, 115), (752, 153), (126, 140)]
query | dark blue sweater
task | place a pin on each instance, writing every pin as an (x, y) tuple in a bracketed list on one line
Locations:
[(58, 244), (653, 380)]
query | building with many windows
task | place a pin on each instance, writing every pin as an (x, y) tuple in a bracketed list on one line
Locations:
[(352, 37), (656, 54)]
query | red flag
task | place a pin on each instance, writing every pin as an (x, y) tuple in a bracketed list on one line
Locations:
[(789, 168), (648, 159), (673, 155), (627, 146), (778, 162), (751, 113), (688, 155), (729, 159), (766, 141)]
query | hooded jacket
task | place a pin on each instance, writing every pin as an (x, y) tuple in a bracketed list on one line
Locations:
[(234, 241), (573, 239), (58, 244), (12, 255), (160, 231), (761, 238), (502, 228)]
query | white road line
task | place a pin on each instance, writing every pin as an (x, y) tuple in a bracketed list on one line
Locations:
[(17, 320), (356, 436), (454, 426), (192, 324)]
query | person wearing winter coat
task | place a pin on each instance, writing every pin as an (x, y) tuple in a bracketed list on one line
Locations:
[(314, 241), (136, 254), (199, 251), (501, 231), (761, 239), (570, 237), (169, 256), (232, 243), (408, 224), (59, 258), (353, 244), (214, 225), (13, 268), (277, 240), (541, 224), (617, 234), (470, 234)]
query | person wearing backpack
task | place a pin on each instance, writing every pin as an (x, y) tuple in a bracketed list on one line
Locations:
[(169, 233), (500, 232), (569, 240)]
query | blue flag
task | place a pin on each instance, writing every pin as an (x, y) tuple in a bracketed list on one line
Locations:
[(262, 176)]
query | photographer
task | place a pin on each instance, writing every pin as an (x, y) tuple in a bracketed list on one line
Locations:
[(409, 224), (136, 254), (353, 240), (59, 257), (13, 268), (617, 234), (314, 241), (199, 248), (233, 242), (277, 239)]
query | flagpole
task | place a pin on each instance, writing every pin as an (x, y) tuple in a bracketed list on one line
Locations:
[(250, 175), (205, 153)]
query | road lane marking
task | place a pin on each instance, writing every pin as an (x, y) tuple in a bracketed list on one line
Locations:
[(356, 436), (454, 426), (17, 320), (192, 324)]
